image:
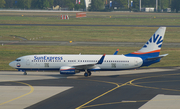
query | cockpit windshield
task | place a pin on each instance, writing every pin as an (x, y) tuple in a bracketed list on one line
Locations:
[(18, 59)]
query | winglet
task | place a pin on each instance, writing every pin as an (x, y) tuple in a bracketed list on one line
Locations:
[(101, 60), (116, 52)]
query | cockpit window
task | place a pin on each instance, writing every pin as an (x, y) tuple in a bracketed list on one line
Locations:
[(18, 59)]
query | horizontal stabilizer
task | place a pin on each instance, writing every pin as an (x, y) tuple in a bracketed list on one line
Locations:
[(160, 56)]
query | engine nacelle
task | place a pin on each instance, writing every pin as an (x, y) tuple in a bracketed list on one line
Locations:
[(68, 70)]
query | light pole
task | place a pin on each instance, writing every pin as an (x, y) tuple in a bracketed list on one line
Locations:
[(156, 5), (139, 5)]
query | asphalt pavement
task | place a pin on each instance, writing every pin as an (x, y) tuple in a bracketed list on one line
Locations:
[(129, 89)]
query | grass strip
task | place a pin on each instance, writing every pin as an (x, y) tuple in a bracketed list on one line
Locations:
[(88, 33)]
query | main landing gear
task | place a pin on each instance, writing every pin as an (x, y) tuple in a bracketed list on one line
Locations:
[(87, 73)]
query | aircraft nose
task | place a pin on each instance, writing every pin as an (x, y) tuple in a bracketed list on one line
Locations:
[(12, 64)]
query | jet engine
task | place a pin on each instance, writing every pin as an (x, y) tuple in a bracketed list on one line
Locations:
[(68, 70)]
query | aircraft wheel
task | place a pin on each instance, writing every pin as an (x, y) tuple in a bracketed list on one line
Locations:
[(89, 72), (86, 74)]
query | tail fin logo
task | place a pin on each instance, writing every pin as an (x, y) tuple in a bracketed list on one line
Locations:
[(154, 40)]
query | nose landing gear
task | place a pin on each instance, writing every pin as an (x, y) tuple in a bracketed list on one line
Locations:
[(25, 73)]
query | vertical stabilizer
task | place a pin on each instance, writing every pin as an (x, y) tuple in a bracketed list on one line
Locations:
[(153, 45)]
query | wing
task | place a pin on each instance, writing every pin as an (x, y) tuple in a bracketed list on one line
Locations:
[(89, 65)]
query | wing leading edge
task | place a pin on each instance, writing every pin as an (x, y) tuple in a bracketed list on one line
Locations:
[(89, 65)]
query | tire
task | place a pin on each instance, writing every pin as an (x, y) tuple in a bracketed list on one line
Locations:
[(86, 74)]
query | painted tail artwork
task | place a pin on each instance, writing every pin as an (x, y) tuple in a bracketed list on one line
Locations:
[(151, 49)]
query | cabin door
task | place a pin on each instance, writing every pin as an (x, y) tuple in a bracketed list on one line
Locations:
[(28, 62)]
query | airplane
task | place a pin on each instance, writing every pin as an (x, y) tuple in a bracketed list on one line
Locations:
[(71, 64)]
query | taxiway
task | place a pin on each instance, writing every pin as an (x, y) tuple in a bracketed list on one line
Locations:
[(156, 88)]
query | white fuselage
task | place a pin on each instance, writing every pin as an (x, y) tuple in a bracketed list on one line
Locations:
[(55, 62)]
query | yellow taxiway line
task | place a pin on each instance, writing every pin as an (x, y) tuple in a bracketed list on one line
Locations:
[(127, 83), (117, 86), (32, 89)]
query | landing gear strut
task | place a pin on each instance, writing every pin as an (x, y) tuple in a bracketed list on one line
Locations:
[(87, 73), (25, 73)]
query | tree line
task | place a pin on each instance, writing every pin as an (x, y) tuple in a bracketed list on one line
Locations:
[(40, 4), (96, 5)]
